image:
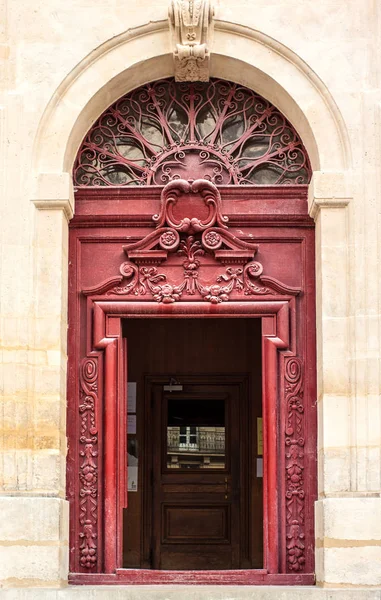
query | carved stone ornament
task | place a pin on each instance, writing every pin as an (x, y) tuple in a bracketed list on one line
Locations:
[(190, 243), (190, 23)]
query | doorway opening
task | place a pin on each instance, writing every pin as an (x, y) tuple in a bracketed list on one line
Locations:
[(195, 452)]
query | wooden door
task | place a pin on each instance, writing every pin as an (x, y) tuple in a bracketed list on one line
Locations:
[(197, 476)]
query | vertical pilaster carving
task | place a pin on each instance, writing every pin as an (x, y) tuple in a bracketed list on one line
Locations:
[(295, 493), (88, 462), (190, 22)]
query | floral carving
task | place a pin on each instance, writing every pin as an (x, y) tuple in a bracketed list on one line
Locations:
[(190, 223), (212, 239), (88, 547), (88, 471), (245, 280), (295, 494), (191, 248), (150, 279), (167, 293), (215, 293), (169, 240)]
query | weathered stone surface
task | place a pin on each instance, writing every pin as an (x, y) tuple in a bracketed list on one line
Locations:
[(317, 63), (148, 592)]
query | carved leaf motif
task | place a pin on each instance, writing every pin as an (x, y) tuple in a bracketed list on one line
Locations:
[(88, 470), (294, 441), (190, 21), (191, 248)]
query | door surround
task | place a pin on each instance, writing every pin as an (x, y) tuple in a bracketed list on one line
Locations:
[(284, 374), (217, 279)]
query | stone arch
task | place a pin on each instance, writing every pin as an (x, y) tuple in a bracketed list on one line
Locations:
[(239, 54), (143, 54)]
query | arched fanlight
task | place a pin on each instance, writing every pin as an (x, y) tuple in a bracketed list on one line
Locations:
[(220, 131)]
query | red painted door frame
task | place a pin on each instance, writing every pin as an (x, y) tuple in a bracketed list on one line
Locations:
[(97, 377)]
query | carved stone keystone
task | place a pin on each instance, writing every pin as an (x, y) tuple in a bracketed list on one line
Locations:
[(191, 24)]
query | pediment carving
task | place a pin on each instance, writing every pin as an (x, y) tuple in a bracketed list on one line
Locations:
[(191, 253)]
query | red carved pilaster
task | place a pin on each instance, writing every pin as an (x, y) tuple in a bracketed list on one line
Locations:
[(88, 465), (295, 492)]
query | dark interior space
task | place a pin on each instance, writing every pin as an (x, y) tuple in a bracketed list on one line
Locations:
[(194, 444)]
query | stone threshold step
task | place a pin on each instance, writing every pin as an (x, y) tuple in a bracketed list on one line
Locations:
[(190, 592)]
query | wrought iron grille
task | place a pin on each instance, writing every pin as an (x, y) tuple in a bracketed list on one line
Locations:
[(219, 131)]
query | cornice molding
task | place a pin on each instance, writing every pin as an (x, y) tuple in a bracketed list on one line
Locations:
[(329, 189), (54, 191)]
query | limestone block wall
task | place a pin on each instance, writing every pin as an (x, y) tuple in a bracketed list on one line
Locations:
[(61, 65)]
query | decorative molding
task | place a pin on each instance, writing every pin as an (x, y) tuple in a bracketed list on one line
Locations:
[(329, 189), (54, 191), (191, 25), (295, 441), (318, 203), (88, 466), (175, 190), (64, 205), (190, 224)]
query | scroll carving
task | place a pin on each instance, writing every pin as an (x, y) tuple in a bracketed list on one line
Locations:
[(191, 23), (88, 470), (295, 441), (190, 224)]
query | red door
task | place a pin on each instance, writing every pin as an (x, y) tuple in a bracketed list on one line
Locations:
[(221, 231)]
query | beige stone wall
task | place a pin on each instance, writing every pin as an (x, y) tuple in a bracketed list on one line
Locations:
[(61, 65)]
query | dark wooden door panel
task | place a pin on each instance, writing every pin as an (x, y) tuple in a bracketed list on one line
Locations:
[(198, 497), (184, 524), (200, 558)]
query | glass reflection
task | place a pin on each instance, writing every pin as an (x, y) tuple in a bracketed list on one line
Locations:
[(196, 434), (206, 122)]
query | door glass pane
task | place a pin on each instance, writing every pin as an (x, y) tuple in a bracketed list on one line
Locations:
[(196, 434)]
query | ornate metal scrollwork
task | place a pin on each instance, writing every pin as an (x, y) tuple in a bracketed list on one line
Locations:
[(164, 131)]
